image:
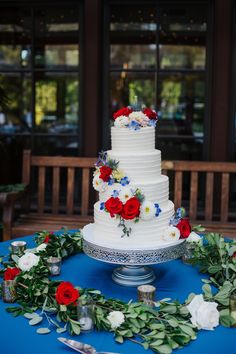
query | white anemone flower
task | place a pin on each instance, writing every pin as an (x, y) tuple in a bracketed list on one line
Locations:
[(27, 261), (147, 210), (194, 238), (172, 233), (116, 318), (138, 116), (41, 247), (125, 194), (98, 184), (122, 122)]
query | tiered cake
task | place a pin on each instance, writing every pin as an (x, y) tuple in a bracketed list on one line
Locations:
[(134, 210)]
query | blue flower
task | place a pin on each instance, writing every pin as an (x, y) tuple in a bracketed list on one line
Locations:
[(124, 181), (102, 206), (152, 122), (111, 181), (115, 194), (133, 125), (180, 213), (158, 209)]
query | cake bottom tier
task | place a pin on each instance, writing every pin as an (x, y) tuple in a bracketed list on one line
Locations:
[(145, 233)]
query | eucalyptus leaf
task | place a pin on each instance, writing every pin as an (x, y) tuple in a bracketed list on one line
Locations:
[(30, 315), (61, 330), (35, 320), (43, 330)]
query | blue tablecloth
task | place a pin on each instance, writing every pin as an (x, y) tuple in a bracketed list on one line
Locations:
[(174, 279)]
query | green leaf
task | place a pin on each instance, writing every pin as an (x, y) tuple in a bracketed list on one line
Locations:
[(226, 321), (61, 330), (188, 330), (214, 268), (35, 320), (15, 258), (207, 290), (156, 343), (164, 349), (173, 322), (145, 345), (75, 327), (157, 326), (169, 309), (30, 315), (43, 330), (119, 339)]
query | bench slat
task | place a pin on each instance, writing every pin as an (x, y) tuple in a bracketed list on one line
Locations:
[(56, 190), (178, 189), (224, 197), (70, 190), (209, 196), (41, 189), (193, 195), (85, 191)]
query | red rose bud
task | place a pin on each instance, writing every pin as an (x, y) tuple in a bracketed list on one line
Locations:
[(66, 294), (105, 173), (125, 111), (131, 209), (114, 206), (11, 273), (47, 239), (184, 228), (150, 113)]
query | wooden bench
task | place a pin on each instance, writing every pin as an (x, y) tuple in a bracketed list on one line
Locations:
[(208, 184), (57, 215)]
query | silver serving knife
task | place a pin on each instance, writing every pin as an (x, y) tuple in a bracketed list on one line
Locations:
[(81, 347)]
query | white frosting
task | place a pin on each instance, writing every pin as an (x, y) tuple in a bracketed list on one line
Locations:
[(145, 232), (139, 167), (126, 140), (156, 191)]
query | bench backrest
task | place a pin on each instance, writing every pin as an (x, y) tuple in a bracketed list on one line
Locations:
[(56, 163), (215, 179)]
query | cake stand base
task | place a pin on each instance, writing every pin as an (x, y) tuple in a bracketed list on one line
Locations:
[(129, 275)]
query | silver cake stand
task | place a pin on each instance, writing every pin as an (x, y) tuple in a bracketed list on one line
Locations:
[(133, 270)]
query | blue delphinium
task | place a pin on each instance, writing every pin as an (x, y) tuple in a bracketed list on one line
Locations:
[(152, 122), (158, 209), (124, 181), (102, 206), (115, 194), (111, 181), (133, 125)]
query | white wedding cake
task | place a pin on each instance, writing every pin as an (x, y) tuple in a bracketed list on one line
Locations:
[(134, 210)]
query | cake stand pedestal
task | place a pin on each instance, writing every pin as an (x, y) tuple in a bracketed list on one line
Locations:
[(133, 270)]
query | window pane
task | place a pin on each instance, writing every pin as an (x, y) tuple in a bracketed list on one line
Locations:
[(182, 104), (15, 112), (53, 145), (56, 106), (133, 56), (15, 39), (182, 57), (57, 37), (125, 86)]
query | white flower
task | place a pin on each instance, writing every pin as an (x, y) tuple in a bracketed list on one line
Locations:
[(116, 318), (125, 194), (204, 314), (147, 210), (27, 261), (138, 116), (41, 247), (172, 233), (121, 122), (98, 184), (194, 238)]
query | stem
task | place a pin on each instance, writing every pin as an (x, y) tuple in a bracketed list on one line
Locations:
[(134, 340), (23, 285)]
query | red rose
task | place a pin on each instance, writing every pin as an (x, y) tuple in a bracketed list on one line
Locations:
[(131, 209), (105, 173), (150, 113), (66, 294), (114, 206), (184, 228), (11, 273), (47, 239), (125, 111)]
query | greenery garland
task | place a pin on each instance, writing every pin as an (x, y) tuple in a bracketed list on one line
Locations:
[(162, 329)]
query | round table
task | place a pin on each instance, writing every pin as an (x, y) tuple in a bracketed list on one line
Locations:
[(174, 279)]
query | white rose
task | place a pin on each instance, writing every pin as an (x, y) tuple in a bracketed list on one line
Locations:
[(138, 116), (125, 194), (204, 314), (121, 122), (194, 238), (41, 247), (98, 184), (116, 318), (27, 261), (147, 210), (172, 233)]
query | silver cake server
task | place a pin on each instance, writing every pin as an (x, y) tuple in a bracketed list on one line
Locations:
[(81, 347)]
